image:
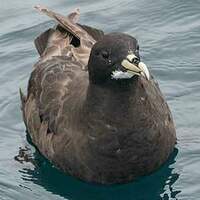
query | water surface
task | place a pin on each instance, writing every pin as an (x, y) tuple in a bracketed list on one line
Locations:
[(168, 33)]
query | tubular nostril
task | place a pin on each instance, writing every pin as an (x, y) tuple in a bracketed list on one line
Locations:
[(105, 54), (133, 59), (136, 60)]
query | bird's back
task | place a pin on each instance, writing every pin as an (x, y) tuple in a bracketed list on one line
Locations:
[(58, 83)]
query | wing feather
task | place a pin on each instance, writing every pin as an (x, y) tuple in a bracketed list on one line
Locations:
[(58, 82)]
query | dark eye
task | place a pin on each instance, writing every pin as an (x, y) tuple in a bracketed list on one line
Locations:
[(105, 54), (137, 48)]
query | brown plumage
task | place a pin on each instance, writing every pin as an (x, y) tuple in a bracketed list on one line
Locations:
[(88, 124)]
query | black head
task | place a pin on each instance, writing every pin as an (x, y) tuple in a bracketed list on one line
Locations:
[(110, 58)]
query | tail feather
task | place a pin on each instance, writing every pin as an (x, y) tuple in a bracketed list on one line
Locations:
[(68, 23), (23, 103), (42, 40)]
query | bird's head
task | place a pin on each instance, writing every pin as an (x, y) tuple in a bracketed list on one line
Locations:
[(116, 58)]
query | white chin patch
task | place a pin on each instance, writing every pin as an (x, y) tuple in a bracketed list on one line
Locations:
[(121, 75)]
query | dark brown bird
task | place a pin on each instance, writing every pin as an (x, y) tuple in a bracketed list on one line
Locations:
[(92, 108)]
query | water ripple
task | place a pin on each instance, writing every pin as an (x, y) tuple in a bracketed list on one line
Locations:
[(168, 34)]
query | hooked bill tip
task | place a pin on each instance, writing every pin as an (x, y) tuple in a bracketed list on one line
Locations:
[(145, 71)]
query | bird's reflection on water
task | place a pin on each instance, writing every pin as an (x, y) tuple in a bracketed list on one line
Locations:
[(158, 185)]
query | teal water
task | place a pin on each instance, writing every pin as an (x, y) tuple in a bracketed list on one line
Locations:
[(168, 33)]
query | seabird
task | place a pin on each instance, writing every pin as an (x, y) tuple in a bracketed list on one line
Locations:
[(92, 106)]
